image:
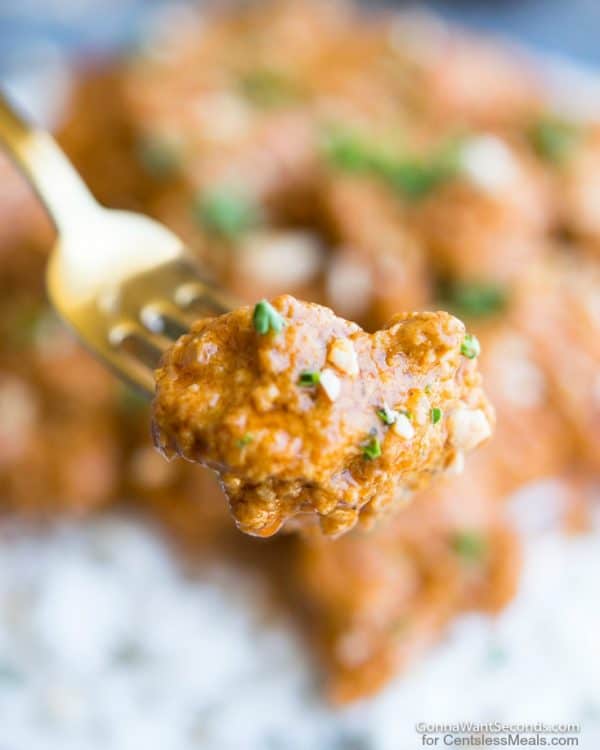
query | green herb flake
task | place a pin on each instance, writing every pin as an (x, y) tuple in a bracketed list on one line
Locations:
[(265, 318), (245, 440), (474, 300), (415, 177), (309, 378), (269, 89), (554, 139), (470, 545), (436, 415), (372, 449), (227, 214), (388, 416), (348, 151), (412, 176), (470, 346)]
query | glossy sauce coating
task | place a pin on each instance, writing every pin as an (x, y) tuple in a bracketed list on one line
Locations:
[(320, 417)]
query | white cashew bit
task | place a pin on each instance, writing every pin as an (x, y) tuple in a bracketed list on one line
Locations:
[(342, 354), (467, 428), (331, 384), (402, 427)]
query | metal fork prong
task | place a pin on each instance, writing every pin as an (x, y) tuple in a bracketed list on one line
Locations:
[(165, 319), (124, 283), (137, 374), (197, 299), (187, 293), (131, 333)]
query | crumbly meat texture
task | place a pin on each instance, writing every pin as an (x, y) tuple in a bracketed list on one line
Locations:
[(391, 409)]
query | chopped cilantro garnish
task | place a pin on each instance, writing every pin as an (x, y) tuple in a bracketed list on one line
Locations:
[(245, 440), (448, 156), (470, 346), (474, 300), (309, 378), (388, 416), (227, 213), (436, 415), (411, 176), (269, 88), (415, 178), (372, 449), (160, 157), (350, 152), (265, 318), (554, 139), (470, 545)]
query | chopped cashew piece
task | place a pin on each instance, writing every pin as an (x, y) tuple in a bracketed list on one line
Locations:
[(343, 355), (489, 163), (324, 446), (403, 427), (468, 428), (330, 383), (457, 463)]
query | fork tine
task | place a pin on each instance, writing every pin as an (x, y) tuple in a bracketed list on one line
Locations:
[(155, 309), (109, 266), (136, 353), (165, 319), (199, 299), (135, 373), (129, 335), (131, 324)]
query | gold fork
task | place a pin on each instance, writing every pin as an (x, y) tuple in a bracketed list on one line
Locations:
[(125, 283)]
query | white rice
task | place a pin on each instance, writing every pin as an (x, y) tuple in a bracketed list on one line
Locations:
[(106, 643)]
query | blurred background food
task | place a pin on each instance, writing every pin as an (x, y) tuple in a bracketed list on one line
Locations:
[(371, 162)]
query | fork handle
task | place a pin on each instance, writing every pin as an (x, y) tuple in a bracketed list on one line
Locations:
[(45, 166)]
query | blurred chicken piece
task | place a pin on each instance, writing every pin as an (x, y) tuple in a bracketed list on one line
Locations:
[(57, 431), (461, 79), (558, 308), (533, 439), (378, 267), (576, 170), (487, 224), (375, 602), (25, 233)]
